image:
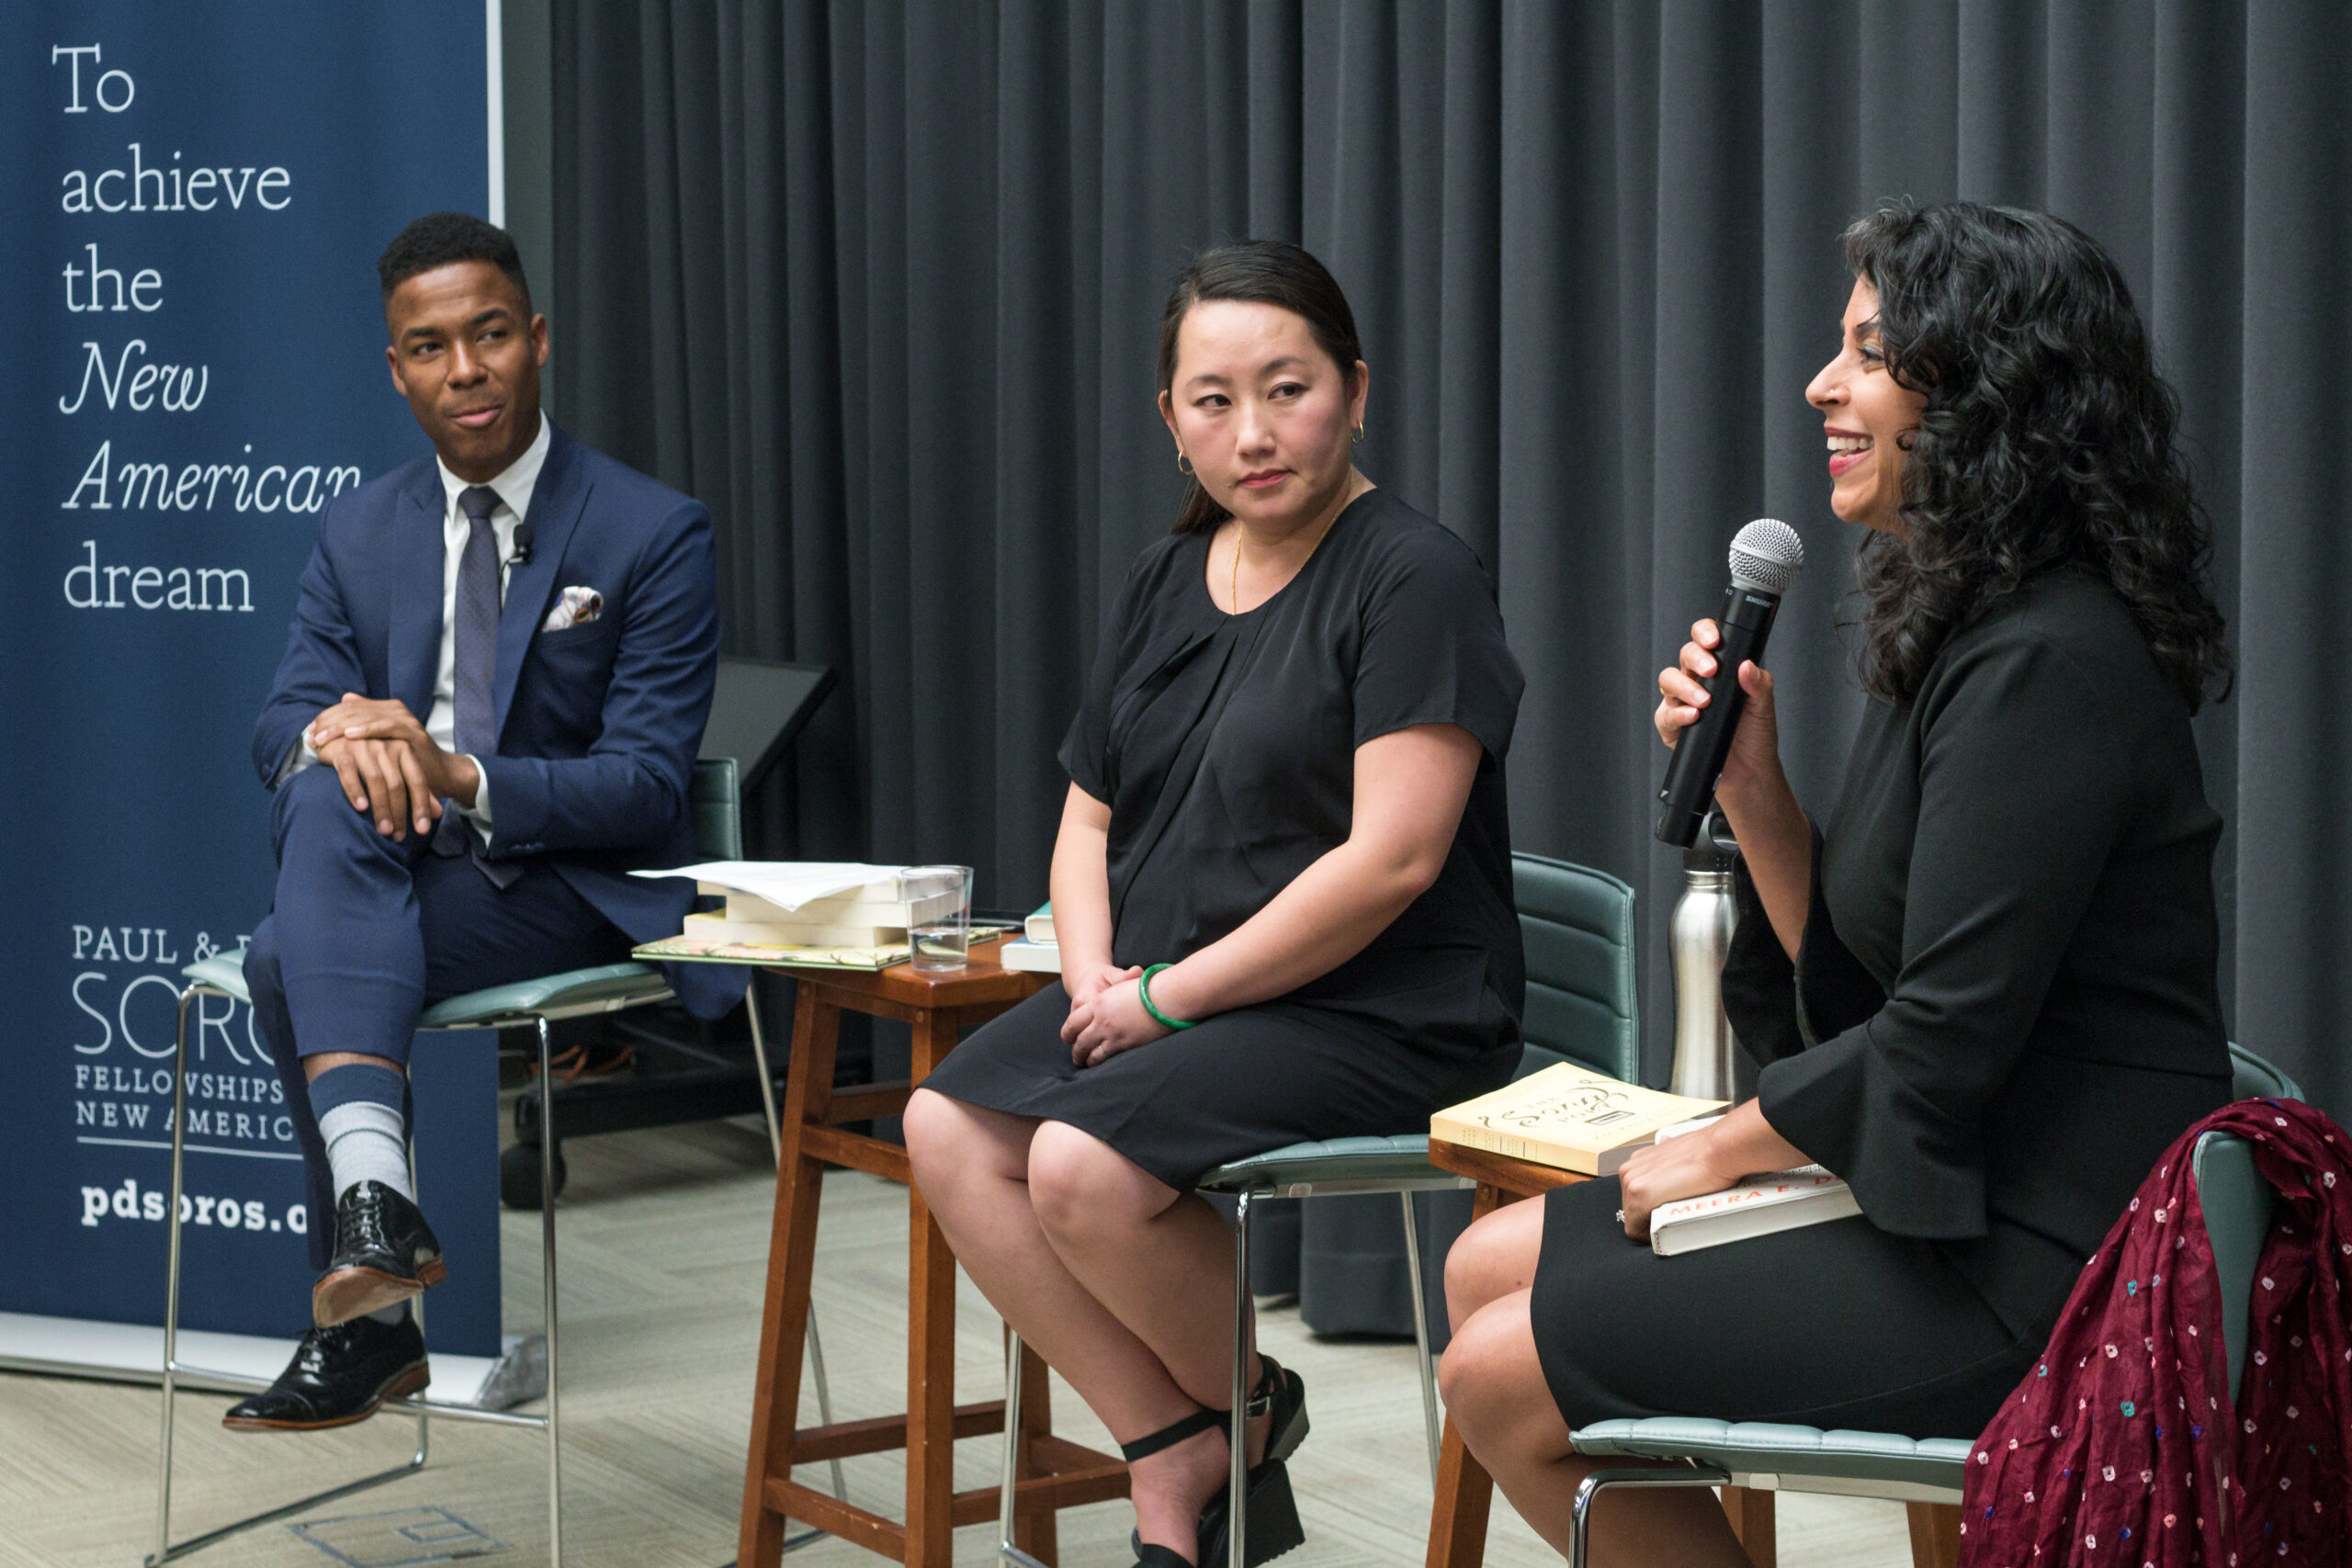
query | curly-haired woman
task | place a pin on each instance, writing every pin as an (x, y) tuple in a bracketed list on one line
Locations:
[(1984, 987)]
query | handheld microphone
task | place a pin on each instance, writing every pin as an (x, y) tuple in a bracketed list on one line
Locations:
[(521, 545), (1766, 557)]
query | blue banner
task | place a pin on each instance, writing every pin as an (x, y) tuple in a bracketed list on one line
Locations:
[(196, 196)]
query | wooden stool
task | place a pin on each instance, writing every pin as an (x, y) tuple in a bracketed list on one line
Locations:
[(1464, 1491), (1052, 1472)]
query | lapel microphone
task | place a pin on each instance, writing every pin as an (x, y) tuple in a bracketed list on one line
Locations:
[(521, 545)]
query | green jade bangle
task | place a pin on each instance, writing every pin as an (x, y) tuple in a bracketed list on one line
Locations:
[(1142, 988)]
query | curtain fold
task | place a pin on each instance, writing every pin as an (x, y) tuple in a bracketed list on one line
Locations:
[(881, 282)]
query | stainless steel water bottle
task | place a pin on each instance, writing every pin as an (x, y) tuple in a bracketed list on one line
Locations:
[(1707, 1061)]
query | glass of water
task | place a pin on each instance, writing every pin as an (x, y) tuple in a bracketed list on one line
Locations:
[(939, 900)]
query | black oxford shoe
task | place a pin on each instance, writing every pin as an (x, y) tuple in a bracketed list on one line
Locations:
[(384, 1252), (338, 1375)]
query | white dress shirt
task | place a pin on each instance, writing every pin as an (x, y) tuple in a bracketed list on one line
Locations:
[(514, 487)]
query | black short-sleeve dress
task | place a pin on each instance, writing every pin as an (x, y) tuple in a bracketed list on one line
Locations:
[(2004, 1009), (1225, 746)]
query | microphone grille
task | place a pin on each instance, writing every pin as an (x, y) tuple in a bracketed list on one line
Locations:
[(1767, 555)]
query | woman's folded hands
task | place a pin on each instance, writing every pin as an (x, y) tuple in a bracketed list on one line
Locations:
[(1107, 1016)]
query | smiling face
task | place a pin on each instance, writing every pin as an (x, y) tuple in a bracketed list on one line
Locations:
[(1263, 414), (466, 354), (1868, 415)]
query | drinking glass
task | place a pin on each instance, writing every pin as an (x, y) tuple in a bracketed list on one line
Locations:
[(940, 931)]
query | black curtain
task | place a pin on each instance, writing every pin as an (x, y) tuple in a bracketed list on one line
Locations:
[(880, 283)]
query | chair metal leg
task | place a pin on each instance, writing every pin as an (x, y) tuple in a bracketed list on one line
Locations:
[(767, 1081), (1421, 1333), (172, 1275), (775, 1145), (1579, 1533), (1008, 1482), (547, 1287), (1236, 1534), (166, 1551), (301, 1506), (825, 1396)]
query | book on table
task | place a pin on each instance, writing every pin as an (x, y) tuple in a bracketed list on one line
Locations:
[(822, 892), (840, 915), (799, 934), (1568, 1116), (842, 909), (1760, 1204), (817, 903), (1039, 925), (1028, 953), (691, 950)]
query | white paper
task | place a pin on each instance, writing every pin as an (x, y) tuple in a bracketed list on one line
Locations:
[(788, 884)]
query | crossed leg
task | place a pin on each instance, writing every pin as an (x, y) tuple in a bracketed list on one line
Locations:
[(1495, 1393), (1122, 1283)]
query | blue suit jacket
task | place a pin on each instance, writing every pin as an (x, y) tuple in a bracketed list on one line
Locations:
[(598, 725)]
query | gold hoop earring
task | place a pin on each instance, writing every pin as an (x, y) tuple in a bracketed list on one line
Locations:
[(1183, 464), (1358, 440)]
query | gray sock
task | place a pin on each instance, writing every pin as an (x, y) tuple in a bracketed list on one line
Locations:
[(392, 1316), (366, 1141)]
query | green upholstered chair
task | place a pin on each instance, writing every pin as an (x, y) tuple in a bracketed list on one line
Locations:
[(1767, 1456), (1582, 990), (1577, 926), (716, 804)]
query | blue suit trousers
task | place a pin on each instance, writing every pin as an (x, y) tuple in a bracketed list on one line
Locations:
[(366, 932)]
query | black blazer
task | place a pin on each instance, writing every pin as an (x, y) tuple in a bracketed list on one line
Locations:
[(2004, 1006)]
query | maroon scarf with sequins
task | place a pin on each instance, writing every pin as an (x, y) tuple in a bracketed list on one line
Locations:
[(2120, 1449)]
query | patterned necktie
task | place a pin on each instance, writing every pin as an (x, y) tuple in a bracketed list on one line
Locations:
[(475, 624)]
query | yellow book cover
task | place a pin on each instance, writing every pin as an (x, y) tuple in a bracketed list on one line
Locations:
[(1567, 1116)]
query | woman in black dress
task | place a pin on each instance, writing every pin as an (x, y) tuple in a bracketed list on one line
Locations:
[(1983, 993), (1282, 888)]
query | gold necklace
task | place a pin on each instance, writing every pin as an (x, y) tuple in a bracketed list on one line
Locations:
[(1233, 588)]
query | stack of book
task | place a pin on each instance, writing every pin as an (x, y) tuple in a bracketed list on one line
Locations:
[(1034, 949), (826, 914), (1572, 1118)]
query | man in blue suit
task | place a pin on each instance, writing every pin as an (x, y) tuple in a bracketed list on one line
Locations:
[(491, 697)]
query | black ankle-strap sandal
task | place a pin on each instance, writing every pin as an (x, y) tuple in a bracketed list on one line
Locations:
[(1274, 1526), (1202, 1420), (1175, 1432), (1281, 1393)]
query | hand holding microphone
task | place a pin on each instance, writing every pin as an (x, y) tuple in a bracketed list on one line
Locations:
[(1699, 711), (1683, 696)]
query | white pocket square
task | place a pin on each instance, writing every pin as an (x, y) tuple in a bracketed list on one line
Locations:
[(576, 608)]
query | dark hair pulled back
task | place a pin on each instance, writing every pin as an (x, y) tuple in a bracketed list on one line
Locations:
[(1261, 272), (2047, 438)]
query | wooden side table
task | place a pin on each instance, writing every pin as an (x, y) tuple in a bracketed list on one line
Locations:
[(1464, 1491), (1053, 1473)]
